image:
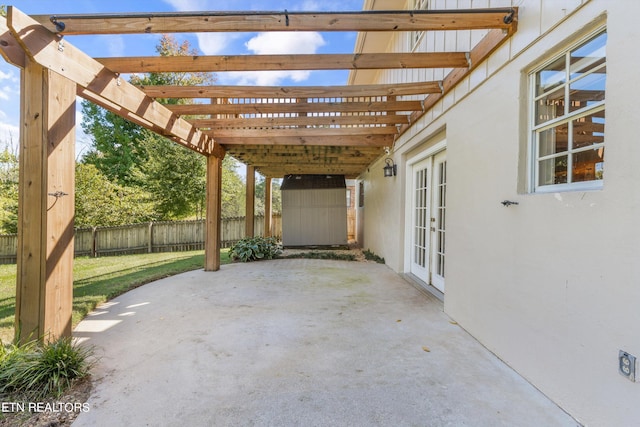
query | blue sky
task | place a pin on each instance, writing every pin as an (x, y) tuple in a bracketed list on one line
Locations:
[(208, 44)]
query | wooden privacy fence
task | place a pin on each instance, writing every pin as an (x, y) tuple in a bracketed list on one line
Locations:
[(171, 236)]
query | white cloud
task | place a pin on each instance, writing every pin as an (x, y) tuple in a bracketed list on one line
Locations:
[(9, 133), (285, 43), (215, 43), (5, 76), (4, 94), (188, 5), (263, 78), (278, 44), (115, 45)]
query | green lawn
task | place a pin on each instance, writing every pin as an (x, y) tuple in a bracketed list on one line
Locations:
[(99, 279)]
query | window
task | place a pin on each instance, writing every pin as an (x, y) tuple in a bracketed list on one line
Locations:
[(361, 195), (416, 36), (568, 118)]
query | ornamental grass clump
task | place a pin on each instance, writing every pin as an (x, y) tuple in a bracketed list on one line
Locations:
[(255, 248), (38, 371)]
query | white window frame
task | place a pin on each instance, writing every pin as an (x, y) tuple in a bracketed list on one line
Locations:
[(567, 118), (416, 36)]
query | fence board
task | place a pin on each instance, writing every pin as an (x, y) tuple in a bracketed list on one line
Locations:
[(173, 236), (8, 248)]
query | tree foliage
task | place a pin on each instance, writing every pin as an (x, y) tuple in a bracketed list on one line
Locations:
[(173, 177), (8, 188), (116, 149), (169, 46), (102, 202), (233, 189), (276, 196), (176, 177)]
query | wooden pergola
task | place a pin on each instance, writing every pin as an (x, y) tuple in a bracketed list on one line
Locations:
[(274, 130)]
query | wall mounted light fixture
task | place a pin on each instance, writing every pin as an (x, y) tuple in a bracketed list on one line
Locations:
[(390, 169)]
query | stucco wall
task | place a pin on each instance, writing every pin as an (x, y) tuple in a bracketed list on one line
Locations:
[(550, 285)]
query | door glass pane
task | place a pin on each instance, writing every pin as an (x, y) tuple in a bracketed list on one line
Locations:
[(421, 219), (440, 216)]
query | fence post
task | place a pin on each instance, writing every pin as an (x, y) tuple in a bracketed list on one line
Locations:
[(150, 250), (94, 243)]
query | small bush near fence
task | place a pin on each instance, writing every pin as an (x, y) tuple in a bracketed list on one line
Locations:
[(151, 237)]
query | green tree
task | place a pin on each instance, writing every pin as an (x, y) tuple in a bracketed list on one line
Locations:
[(101, 202), (116, 144), (176, 177), (169, 46), (233, 189), (276, 196), (8, 188)]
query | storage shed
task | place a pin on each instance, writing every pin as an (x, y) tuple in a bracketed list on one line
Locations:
[(314, 210)]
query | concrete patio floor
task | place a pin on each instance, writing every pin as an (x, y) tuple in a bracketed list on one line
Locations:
[(297, 342)]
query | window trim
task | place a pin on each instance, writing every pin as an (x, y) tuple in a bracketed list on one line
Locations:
[(533, 162), (415, 37)]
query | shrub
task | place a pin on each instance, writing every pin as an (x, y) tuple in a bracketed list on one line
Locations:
[(38, 371), (255, 248), (323, 255), (370, 256)]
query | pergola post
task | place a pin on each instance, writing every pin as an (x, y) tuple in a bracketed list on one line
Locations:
[(214, 209), (44, 286), (250, 206), (267, 207)]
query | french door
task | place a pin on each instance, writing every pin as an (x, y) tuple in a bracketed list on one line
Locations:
[(428, 228)]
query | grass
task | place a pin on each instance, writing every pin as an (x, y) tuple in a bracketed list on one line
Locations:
[(97, 280)]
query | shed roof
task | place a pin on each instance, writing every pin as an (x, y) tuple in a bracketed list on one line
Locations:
[(312, 182)]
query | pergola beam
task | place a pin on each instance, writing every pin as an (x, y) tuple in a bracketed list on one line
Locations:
[(308, 62), (296, 107), (10, 49), (327, 133), (292, 92), (243, 21), (339, 140), (303, 121)]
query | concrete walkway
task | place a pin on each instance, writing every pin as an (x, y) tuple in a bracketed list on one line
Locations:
[(297, 343)]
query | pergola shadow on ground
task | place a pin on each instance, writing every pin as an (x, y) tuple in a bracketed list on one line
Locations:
[(296, 342)]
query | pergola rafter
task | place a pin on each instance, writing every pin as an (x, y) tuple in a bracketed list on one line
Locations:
[(293, 92), (293, 62)]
